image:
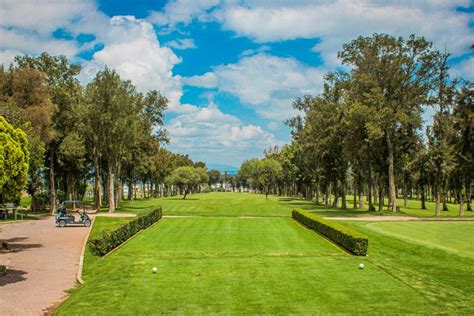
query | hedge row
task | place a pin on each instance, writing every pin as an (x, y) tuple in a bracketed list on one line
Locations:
[(354, 241), (108, 240)]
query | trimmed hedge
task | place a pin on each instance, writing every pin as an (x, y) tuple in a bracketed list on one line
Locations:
[(352, 240), (109, 240)]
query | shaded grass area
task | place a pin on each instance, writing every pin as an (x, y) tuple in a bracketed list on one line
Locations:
[(413, 208), (454, 237)]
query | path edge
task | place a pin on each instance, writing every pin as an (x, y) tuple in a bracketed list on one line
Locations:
[(81, 257)]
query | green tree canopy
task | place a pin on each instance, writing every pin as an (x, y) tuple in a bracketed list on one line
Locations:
[(186, 178), (14, 158)]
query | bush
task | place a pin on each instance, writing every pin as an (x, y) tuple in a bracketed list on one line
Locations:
[(3, 270), (109, 240), (352, 240)]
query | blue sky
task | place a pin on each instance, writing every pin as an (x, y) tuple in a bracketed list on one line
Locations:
[(230, 69)]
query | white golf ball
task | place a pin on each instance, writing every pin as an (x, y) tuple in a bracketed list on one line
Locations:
[(361, 266), (154, 269)]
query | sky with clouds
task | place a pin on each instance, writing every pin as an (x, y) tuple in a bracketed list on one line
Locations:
[(230, 69)]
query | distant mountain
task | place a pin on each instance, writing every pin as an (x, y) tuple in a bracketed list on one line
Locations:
[(232, 171)]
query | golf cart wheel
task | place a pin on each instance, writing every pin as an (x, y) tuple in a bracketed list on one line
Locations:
[(87, 223), (62, 223)]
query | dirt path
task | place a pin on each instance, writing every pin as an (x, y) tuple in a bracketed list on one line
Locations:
[(44, 265), (401, 219)]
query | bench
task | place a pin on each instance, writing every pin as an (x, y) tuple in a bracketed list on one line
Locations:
[(5, 208)]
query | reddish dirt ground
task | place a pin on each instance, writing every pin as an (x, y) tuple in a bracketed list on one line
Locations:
[(42, 261)]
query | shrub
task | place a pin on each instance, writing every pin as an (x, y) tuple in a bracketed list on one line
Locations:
[(352, 240), (109, 240), (3, 270)]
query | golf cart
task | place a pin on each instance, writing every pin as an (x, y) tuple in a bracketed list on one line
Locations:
[(66, 216)]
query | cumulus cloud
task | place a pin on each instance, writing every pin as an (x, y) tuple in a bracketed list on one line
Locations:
[(209, 134), (267, 83), (30, 43), (182, 12), (133, 50), (333, 22), (207, 80), (28, 26), (181, 43), (337, 22)]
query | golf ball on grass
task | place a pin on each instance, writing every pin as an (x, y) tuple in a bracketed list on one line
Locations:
[(154, 269), (361, 266)]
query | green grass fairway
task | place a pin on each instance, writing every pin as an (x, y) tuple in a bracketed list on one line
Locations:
[(221, 262), (213, 204), (455, 237)]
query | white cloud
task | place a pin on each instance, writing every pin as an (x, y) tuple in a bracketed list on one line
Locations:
[(132, 48), (44, 17), (265, 82), (334, 22), (27, 26), (30, 43), (464, 69), (181, 43), (337, 22), (249, 52), (209, 134), (182, 11), (7, 56), (207, 80)]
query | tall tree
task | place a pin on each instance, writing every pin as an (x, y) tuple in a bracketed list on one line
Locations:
[(399, 74), (63, 87)]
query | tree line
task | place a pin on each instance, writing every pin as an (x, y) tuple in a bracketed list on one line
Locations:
[(68, 136), (364, 133)]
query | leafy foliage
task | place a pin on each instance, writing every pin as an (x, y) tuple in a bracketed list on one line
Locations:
[(14, 156), (350, 239), (109, 240)]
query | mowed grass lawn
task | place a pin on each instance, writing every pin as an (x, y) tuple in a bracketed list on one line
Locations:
[(213, 204), (454, 237), (221, 262)]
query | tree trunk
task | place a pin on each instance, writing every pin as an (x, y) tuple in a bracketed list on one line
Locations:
[(437, 200), (405, 194), (355, 197), (445, 205), (52, 189), (392, 204), (468, 196), (343, 195), (97, 181), (361, 200), (461, 206), (130, 191), (423, 199), (381, 198), (370, 187), (111, 189)]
